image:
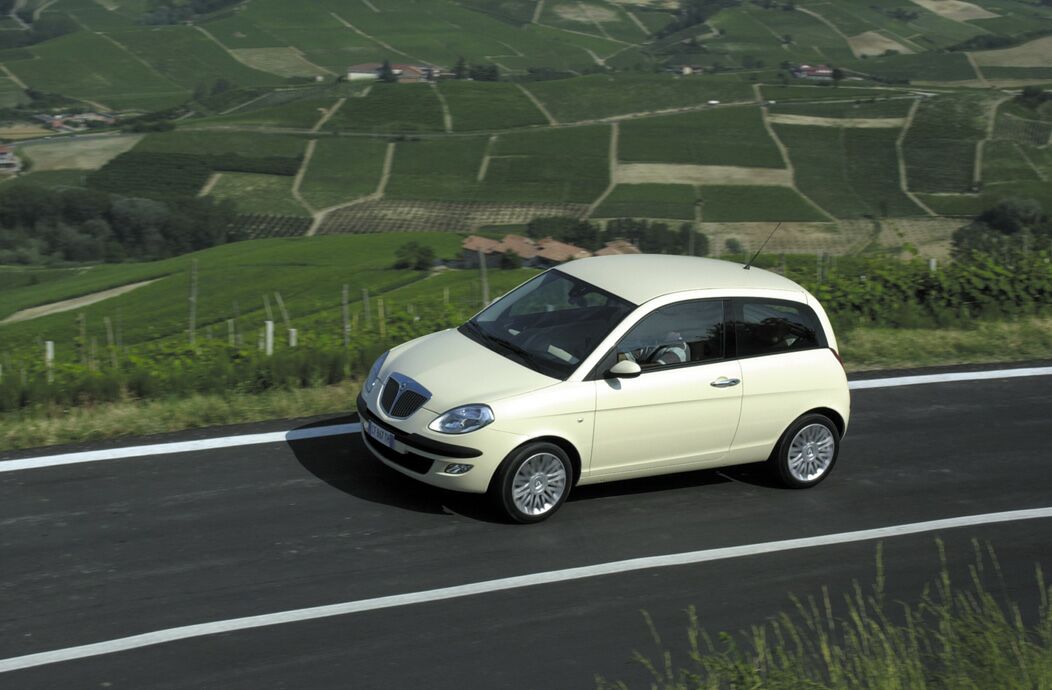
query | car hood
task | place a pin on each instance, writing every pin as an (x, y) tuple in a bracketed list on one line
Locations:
[(457, 371)]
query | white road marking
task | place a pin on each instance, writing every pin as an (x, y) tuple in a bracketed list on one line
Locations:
[(946, 378), (340, 429), (178, 447), (489, 586)]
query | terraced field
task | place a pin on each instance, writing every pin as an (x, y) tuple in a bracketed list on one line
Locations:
[(940, 147), (673, 201), (725, 136), (851, 173), (600, 95), (342, 169)]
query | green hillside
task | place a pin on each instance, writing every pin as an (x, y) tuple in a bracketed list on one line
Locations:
[(593, 111)]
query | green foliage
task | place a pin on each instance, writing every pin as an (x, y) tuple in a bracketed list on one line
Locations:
[(162, 176), (39, 225), (419, 257), (954, 637)]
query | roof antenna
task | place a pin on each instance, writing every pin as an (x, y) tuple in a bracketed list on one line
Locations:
[(749, 265)]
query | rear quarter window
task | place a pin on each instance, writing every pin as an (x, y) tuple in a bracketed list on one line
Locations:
[(768, 327)]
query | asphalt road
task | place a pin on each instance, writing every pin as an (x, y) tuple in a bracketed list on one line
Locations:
[(94, 552)]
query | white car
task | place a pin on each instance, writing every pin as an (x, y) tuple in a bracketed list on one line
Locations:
[(610, 368)]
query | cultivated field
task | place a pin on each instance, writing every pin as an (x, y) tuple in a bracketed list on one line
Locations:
[(252, 192), (671, 201), (391, 108), (485, 106), (442, 216), (940, 146), (342, 169), (78, 154), (848, 172), (731, 204), (723, 136), (598, 96)]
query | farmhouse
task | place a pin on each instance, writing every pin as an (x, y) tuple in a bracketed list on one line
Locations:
[(542, 253), (407, 74), (9, 160), (819, 72), (618, 247), (75, 122)]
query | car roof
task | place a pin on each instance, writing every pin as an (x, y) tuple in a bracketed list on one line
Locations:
[(640, 278)]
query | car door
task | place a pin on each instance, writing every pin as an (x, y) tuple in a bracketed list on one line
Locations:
[(682, 410), (786, 368)]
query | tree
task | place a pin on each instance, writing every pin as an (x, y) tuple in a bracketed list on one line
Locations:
[(387, 74), (460, 70), (838, 75), (414, 255)]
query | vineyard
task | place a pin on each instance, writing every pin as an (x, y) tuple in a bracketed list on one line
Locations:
[(437, 216), (257, 226)]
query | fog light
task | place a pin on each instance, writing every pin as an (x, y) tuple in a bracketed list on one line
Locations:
[(458, 469)]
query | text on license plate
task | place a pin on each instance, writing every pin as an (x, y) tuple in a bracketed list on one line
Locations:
[(382, 435)]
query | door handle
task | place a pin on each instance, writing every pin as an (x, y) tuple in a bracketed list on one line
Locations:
[(724, 382)]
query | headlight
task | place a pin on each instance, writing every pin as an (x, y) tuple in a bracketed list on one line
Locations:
[(374, 374), (462, 420)]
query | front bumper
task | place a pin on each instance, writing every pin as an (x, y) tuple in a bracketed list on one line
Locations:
[(426, 459)]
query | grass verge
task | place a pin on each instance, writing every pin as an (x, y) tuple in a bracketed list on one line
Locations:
[(956, 637), (55, 425), (862, 348)]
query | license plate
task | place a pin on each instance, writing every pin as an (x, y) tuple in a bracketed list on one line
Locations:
[(382, 435)]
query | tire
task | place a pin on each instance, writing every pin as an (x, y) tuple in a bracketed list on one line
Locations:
[(532, 482), (806, 452)]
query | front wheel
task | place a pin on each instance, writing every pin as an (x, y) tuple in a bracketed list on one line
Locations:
[(533, 482), (806, 452)]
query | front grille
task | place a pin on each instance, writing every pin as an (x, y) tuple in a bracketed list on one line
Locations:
[(402, 396), (387, 398), (407, 404)]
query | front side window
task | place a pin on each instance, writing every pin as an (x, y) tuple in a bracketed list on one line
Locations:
[(550, 323), (679, 333), (767, 327)]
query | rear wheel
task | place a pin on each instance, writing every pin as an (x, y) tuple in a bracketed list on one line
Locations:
[(807, 451), (533, 482)]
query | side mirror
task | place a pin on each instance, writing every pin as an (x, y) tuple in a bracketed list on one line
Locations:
[(625, 369)]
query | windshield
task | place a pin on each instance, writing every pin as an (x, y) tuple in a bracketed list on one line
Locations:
[(550, 323)]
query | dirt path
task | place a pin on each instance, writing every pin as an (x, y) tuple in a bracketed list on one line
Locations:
[(308, 154), (991, 120), (15, 9), (371, 6), (537, 12), (447, 117), (637, 22), (13, 77), (1037, 170), (328, 114), (138, 59), (859, 122), (320, 215), (210, 184), (75, 303), (484, 165), (537, 102), (978, 72), (375, 40), (825, 21), (38, 11), (615, 138), (786, 160), (901, 156)]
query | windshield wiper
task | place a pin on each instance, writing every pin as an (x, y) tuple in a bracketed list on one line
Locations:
[(523, 354)]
